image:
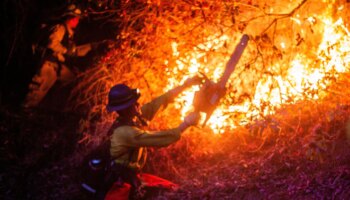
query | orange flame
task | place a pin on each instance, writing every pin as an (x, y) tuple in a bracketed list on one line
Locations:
[(305, 72)]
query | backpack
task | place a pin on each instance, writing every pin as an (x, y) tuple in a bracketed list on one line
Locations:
[(95, 166), (41, 36), (97, 163), (40, 41)]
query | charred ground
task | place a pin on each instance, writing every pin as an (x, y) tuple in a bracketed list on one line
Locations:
[(41, 157)]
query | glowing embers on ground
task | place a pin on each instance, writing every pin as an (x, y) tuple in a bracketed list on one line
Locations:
[(305, 76)]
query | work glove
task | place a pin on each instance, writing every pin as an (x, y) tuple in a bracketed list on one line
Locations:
[(71, 52), (191, 119), (196, 80)]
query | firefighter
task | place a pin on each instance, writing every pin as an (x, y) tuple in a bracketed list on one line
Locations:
[(129, 139), (54, 66)]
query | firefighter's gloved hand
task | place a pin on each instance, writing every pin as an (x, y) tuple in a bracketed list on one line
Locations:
[(191, 119), (72, 51), (196, 80)]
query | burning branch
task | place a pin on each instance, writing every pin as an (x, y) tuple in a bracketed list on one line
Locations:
[(163, 43), (281, 16)]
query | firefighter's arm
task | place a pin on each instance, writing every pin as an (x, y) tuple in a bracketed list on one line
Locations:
[(135, 137), (139, 138), (82, 50), (55, 40), (196, 80), (150, 109)]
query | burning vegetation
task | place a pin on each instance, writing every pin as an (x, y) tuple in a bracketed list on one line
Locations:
[(280, 131), (297, 50)]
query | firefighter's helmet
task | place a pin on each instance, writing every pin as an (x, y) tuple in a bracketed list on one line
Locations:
[(121, 97), (72, 11)]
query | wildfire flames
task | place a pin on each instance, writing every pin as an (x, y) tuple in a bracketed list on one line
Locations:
[(296, 50), (305, 74)]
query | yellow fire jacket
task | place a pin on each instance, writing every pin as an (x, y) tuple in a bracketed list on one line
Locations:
[(58, 49), (128, 144)]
